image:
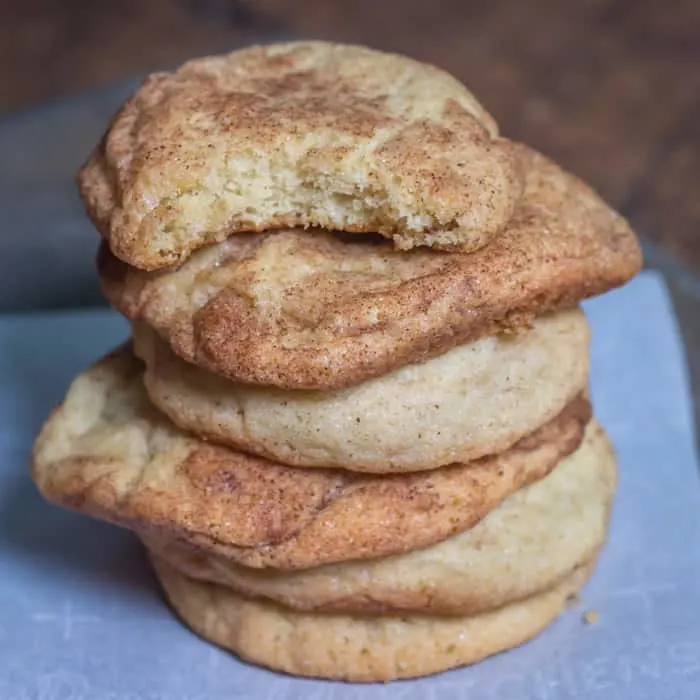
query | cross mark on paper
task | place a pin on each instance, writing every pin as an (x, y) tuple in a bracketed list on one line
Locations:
[(66, 618)]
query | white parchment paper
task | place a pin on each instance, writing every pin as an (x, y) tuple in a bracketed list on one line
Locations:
[(81, 617)]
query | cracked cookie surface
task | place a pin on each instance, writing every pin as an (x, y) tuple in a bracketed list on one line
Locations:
[(299, 134)]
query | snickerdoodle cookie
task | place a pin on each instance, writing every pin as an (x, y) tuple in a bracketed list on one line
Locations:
[(300, 134), (477, 399), (366, 648), (532, 540), (108, 452), (310, 310)]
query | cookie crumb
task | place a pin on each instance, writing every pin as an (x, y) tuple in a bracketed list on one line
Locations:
[(591, 617), (573, 600)]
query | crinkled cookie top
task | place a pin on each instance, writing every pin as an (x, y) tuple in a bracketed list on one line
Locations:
[(299, 134)]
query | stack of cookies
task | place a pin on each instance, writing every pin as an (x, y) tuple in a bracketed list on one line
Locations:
[(352, 425)]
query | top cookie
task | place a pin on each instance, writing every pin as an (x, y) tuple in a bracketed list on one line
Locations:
[(300, 134)]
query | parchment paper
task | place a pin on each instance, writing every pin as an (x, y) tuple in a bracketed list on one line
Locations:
[(81, 617)]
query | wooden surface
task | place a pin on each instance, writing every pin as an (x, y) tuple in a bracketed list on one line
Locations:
[(610, 88)]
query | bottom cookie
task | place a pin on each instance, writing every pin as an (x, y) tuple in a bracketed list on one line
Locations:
[(358, 648)]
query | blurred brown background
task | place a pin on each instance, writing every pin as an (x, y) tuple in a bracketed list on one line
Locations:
[(611, 88)]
